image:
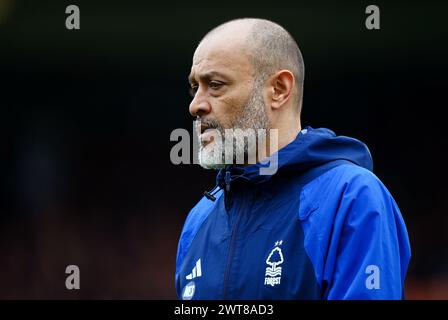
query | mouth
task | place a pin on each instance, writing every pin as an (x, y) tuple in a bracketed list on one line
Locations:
[(206, 134), (203, 128)]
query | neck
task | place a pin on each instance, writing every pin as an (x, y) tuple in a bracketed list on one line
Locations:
[(275, 141)]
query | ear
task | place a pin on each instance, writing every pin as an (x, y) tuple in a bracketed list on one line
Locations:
[(280, 88)]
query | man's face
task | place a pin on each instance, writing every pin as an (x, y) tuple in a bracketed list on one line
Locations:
[(225, 94)]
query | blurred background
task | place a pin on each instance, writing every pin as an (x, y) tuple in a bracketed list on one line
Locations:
[(86, 117)]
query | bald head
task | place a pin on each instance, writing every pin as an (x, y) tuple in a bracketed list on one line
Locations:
[(269, 47)]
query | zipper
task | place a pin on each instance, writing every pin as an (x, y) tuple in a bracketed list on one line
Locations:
[(231, 251), (233, 244), (227, 181)]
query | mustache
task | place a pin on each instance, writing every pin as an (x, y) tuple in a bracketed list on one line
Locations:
[(203, 124)]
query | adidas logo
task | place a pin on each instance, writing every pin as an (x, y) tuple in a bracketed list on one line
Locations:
[(196, 272)]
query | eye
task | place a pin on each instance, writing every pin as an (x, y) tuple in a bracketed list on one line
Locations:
[(215, 85), (193, 89)]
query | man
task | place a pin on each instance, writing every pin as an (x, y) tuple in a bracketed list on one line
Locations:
[(322, 226)]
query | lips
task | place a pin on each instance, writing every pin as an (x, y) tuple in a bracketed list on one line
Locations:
[(204, 127), (206, 130), (206, 133)]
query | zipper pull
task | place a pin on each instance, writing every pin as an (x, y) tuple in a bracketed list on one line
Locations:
[(227, 180)]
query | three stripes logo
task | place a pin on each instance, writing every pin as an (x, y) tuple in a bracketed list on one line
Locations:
[(273, 273), (190, 288), (196, 272)]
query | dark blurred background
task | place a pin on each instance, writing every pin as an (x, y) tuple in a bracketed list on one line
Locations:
[(86, 117)]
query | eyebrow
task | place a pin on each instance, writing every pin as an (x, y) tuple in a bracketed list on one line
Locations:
[(206, 76)]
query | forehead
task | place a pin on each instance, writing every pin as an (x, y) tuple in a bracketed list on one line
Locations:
[(223, 55)]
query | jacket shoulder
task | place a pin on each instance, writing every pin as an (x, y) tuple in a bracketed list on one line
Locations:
[(342, 180), (198, 214), (195, 219)]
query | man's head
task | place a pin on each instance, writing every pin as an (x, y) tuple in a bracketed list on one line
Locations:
[(246, 74)]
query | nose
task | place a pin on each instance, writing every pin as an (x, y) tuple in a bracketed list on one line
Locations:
[(199, 106)]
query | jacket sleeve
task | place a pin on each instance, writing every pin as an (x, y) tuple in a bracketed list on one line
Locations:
[(370, 249)]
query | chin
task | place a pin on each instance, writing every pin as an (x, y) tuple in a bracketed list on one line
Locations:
[(207, 158)]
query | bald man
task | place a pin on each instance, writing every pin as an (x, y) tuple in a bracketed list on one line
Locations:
[(320, 226)]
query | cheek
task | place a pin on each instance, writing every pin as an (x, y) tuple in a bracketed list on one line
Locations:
[(225, 110), (229, 107)]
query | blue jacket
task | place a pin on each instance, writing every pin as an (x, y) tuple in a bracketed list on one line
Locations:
[(322, 227)]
